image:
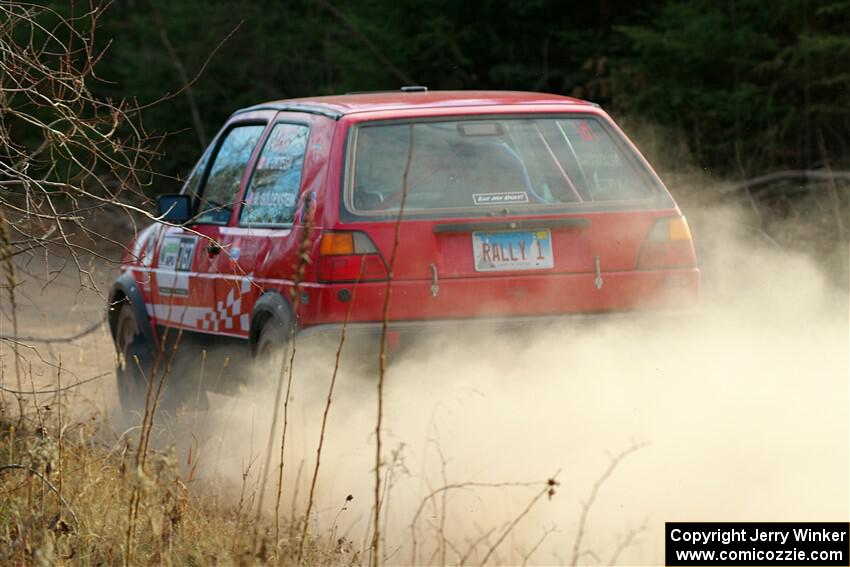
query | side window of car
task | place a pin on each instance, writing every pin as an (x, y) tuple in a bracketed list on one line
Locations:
[(193, 183), (273, 189), (218, 195)]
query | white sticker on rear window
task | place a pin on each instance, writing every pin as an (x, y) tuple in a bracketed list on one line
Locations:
[(499, 198)]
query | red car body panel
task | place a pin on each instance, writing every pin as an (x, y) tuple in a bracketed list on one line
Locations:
[(218, 293)]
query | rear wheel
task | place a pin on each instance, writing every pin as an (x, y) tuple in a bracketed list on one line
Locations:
[(272, 352)]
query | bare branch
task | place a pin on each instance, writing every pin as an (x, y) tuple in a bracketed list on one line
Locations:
[(48, 484), (594, 492), (370, 45)]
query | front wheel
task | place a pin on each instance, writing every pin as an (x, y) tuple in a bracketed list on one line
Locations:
[(136, 365), (135, 361)]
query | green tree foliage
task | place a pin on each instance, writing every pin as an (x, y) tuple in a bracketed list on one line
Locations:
[(310, 47), (748, 84)]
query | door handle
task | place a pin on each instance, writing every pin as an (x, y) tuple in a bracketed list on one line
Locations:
[(213, 249), (435, 282)]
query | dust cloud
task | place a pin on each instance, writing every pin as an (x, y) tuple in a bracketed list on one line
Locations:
[(740, 410)]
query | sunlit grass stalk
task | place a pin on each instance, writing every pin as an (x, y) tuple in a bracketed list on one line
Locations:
[(548, 489), (588, 504), (151, 402), (285, 371), (382, 358), (166, 372), (269, 447), (7, 254), (836, 201), (59, 434), (294, 507), (303, 260), (431, 497), (325, 415), (282, 456), (238, 527), (201, 373), (149, 392)]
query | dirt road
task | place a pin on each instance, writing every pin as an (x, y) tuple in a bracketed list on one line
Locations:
[(744, 407), (55, 300)]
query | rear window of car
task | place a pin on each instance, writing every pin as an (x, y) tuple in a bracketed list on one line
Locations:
[(481, 165)]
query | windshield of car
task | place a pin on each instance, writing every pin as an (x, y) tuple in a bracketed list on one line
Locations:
[(483, 164)]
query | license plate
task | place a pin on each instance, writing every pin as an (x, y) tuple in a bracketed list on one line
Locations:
[(517, 250)]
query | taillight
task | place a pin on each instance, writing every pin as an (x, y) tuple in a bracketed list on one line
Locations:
[(668, 245), (349, 257)]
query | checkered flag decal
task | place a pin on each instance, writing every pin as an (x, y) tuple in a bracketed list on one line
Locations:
[(225, 313)]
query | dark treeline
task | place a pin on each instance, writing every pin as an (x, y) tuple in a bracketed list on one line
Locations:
[(746, 86)]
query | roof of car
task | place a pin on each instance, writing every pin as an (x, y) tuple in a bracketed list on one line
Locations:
[(338, 105)]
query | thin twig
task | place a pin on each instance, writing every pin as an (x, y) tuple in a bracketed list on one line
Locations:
[(303, 260), (325, 415), (59, 339), (15, 466), (833, 193), (56, 390), (181, 72), (536, 546), (383, 357), (625, 543), (11, 283), (549, 490), (370, 45), (588, 504)]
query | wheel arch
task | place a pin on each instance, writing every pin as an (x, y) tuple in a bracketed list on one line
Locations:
[(126, 290)]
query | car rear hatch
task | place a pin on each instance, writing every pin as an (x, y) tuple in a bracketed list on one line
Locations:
[(512, 215)]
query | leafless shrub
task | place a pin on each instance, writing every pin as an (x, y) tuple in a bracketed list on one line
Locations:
[(64, 152)]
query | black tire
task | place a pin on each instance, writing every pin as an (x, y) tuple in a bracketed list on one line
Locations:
[(272, 352), (132, 377), (181, 384)]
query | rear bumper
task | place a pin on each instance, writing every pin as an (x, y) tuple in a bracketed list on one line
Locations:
[(470, 307), (401, 333), (503, 298)]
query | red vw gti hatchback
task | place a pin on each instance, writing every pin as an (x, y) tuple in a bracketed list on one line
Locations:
[(503, 207)]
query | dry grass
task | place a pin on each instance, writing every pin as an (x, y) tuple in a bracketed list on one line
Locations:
[(100, 477), (77, 492), (66, 488)]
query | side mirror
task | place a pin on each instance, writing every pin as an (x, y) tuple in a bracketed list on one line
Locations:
[(176, 209)]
